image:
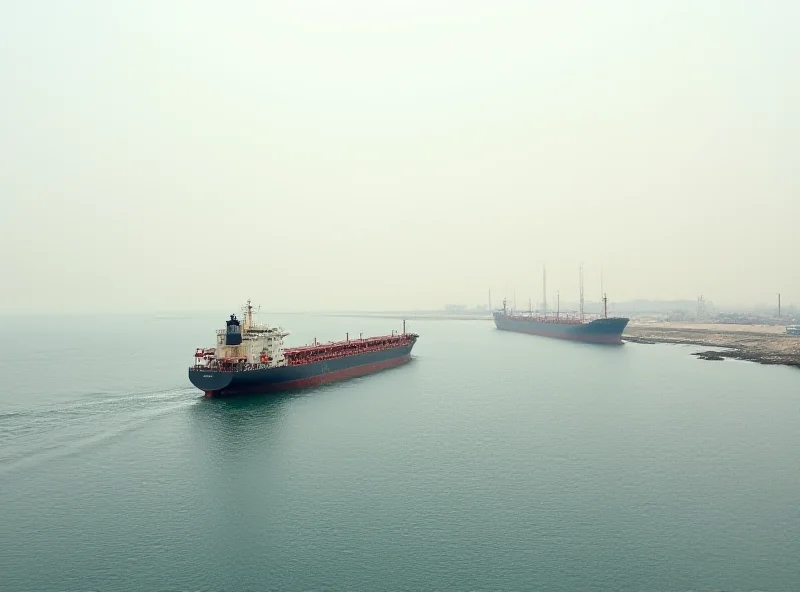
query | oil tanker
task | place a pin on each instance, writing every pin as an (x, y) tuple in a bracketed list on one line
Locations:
[(251, 358), (564, 326)]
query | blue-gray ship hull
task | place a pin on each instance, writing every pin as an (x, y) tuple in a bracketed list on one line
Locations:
[(597, 331)]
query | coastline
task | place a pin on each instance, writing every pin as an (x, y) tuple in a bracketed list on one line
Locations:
[(753, 343), (764, 344)]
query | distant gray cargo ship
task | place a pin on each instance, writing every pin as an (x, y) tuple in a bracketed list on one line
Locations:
[(561, 326)]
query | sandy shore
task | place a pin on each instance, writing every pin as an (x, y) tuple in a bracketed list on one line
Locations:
[(758, 343)]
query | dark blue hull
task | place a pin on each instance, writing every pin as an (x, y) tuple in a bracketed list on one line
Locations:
[(219, 383), (597, 331)]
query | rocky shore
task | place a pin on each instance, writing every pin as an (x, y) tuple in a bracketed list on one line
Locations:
[(765, 345)]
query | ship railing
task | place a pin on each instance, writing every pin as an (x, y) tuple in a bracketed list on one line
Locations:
[(319, 353), (227, 368), (560, 319), (338, 353), (390, 340)]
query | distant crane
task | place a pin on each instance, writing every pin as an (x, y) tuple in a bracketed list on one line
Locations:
[(701, 307)]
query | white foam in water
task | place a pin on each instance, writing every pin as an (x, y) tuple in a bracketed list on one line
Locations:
[(48, 433)]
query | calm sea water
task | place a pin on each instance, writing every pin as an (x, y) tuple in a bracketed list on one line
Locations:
[(491, 462)]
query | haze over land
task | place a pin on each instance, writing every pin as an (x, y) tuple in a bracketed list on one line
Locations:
[(386, 155)]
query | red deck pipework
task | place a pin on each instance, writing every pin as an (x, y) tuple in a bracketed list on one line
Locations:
[(340, 349)]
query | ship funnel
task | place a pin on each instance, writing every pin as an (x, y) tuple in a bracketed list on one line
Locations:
[(233, 332)]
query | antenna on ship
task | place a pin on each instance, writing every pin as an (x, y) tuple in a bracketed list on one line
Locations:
[(602, 291), (247, 313), (247, 309), (558, 303), (544, 289), (581, 284)]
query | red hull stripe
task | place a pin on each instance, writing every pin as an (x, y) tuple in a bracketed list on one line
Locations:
[(315, 380)]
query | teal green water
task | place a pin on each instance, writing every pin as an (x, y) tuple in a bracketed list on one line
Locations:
[(493, 461)]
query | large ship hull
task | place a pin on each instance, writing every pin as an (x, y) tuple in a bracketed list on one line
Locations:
[(597, 331), (217, 383)]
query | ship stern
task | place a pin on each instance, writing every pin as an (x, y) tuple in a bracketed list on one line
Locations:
[(211, 382)]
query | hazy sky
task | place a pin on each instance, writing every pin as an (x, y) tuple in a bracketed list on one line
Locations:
[(159, 155)]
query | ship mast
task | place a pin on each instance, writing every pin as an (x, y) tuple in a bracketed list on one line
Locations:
[(248, 315), (544, 289), (581, 284), (558, 303), (602, 291), (605, 306)]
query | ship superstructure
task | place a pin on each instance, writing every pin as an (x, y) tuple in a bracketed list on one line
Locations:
[(251, 357), (244, 344)]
